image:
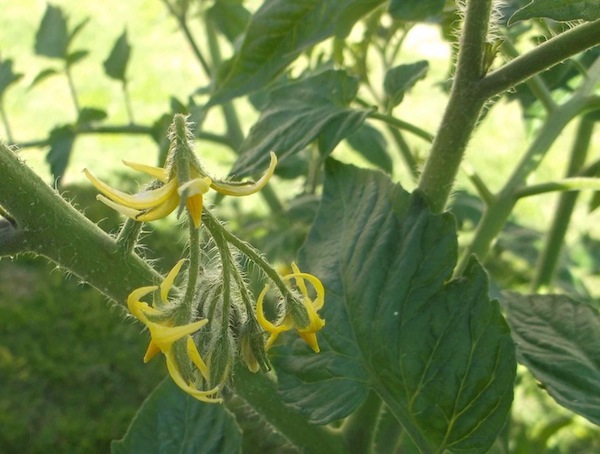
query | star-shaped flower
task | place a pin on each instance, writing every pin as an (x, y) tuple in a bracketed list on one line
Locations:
[(308, 333)]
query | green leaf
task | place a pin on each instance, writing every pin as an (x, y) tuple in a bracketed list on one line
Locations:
[(437, 351), (558, 340), (559, 10), (7, 76), (43, 75), (61, 144), (277, 33), (89, 115), (115, 66), (400, 79), (77, 29), (415, 10), (298, 113), (76, 56), (230, 17), (371, 144), (170, 421), (52, 38)]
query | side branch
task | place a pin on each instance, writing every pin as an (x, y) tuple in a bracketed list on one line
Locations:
[(544, 56)]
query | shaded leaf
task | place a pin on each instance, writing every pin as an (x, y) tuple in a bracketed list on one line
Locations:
[(298, 113), (43, 74), (437, 352), (61, 144), (52, 38), (559, 10), (230, 17), (172, 422), (90, 115), (76, 56), (7, 75), (277, 33), (115, 66), (399, 79), (558, 340), (415, 10), (371, 144), (77, 29)]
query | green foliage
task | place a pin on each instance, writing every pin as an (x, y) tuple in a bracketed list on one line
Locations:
[(299, 113), (449, 390), (7, 75), (61, 145), (562, 351), (558, 10), (171, 421), (415, 10), (399, 79), (277, 33), (115, 65)]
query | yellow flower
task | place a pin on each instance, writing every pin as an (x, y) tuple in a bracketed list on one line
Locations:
[(308, 333), (164, 335), (158, 202)]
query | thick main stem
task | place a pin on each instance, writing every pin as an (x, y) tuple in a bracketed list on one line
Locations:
[(462, 111)]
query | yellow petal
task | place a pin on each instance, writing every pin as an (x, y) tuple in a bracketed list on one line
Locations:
[(169, 280), (316, 283), (260, 314), (242, 188), (160, 211), (311, 340), (157, 172), (136, 307), (151, 351), (141, 200), (164, 336), (194, 205), (194, 355), (129, 212), (204, 396)]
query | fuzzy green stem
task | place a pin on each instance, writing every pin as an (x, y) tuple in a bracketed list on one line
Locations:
[(542, 57), (462, 110), (260, 393), (47, 225), (566, 185), (193, 268), (128, 235), (555, 238)]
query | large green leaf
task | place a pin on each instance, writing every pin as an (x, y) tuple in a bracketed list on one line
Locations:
[(230, 16), (298, 113), (415, 10), (171, 422), (115, 65), (437, 352), (559, 10), (278, 32), (558, 340), (371, 144), (52, 37)]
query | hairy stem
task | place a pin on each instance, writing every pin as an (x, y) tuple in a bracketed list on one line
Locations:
[(462, 110), (45, 224)]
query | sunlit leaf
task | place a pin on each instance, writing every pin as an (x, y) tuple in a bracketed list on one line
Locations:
[(559, 10), (415, 10), (298, 113), (52, 38), (401, 78), (170, 421), (437, 351), (76, 56), (115, 66), (90, 115), (558, 340), (277, 33)]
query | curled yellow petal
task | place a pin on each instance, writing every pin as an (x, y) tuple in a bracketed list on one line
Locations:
[(135, 306), (243, 188), (164, 336), (204, 396), (157, 172), (166, 285), (194, 355)]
